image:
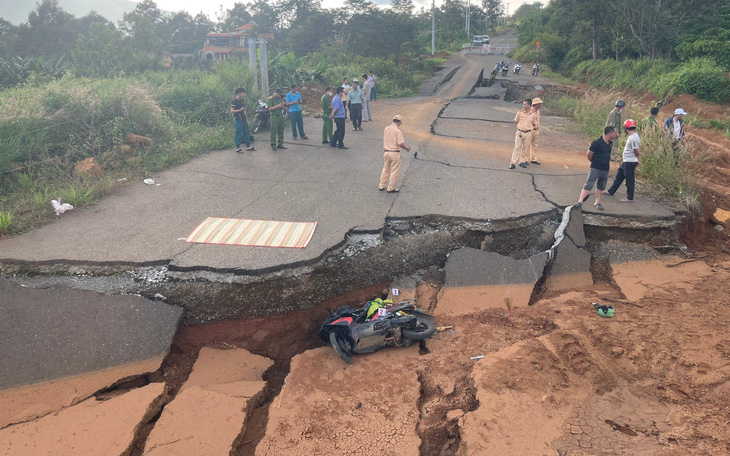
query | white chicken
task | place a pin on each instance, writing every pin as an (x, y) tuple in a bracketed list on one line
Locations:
[(60, 208)]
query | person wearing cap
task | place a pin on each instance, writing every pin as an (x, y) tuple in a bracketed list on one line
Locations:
[(628, 167), (326, 102), (354, 102), (276, 106), (525, 122), (675, 125), (614, 120), (393, 142), (367, 88), (599, 154), (338, 115), (294, 101), (536, 104)]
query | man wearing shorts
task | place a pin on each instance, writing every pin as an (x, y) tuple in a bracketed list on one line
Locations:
[(599, 154)]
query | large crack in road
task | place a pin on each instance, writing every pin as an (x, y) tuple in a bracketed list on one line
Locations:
[(224, 307)]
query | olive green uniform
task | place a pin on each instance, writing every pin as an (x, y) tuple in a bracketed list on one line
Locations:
[(277, 122), (326, 121), (614, 120)]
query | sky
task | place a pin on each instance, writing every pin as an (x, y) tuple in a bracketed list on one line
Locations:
[(212, 7)]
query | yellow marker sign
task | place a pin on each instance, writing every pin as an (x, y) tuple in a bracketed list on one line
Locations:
[(538, 43)]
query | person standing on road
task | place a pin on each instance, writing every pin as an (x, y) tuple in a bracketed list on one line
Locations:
[(367, 90), (614, 120), (338, 115), (631, 161), (371, 78), (393, 142), (536, 104), (326, 103), (346, 87), (525, 122), (354, 102), (276, 106), (599, 154), (238, 109), (294, 101)]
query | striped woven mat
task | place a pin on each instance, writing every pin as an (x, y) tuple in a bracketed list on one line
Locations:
[(264, 233)]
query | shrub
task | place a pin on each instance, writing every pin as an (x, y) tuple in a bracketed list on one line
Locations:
[(6, 219), (701, 77)]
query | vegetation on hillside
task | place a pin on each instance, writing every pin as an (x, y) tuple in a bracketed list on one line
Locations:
[(664, 48)]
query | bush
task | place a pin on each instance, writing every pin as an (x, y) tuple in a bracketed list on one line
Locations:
[(701, 77)]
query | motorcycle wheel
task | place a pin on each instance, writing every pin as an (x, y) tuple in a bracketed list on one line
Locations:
[(341, 346), (256, 124), (424, 330)]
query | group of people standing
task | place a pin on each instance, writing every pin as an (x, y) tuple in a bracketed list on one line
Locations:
[(334, 114), (603, 150), (527, 136), (346, 97), (334, 111)]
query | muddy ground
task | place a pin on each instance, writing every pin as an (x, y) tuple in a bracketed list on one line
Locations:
[(555, 379)]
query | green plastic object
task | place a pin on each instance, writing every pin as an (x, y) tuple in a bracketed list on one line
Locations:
[(604, 311)]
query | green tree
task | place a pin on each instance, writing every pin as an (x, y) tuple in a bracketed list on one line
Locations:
[(101, 52), (233, 17), (402, 6), (142, 28), (49, 31), (310, 36), (493, 10)]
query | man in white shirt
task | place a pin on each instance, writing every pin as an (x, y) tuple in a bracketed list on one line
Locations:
[(631, 161), (367, 114), (343, 96)]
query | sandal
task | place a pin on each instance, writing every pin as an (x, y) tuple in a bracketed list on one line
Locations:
[(250, 148), (604, 311)]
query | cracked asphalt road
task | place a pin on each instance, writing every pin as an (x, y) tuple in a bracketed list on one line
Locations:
[(461, 175)]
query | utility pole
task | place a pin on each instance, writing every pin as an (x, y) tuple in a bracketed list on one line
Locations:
[(468, 7), (433, 27), (264, 67), (252, 60)]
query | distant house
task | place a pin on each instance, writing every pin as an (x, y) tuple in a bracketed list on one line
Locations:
[(221, 46)]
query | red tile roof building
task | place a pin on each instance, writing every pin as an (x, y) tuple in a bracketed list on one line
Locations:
[(223, 45)]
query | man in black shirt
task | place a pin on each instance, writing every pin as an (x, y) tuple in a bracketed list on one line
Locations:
[(599, 154), (238, 109)]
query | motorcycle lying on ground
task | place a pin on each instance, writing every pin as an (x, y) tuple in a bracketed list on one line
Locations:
[(535, 69), (517, 68), (349, 331)]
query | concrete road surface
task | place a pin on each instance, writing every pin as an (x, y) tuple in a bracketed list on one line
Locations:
[(460, 171)]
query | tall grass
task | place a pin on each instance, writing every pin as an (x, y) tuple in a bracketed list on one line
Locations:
[(45, 129)]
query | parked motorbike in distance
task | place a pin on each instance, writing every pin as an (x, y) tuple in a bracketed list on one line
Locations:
[(535, 69), (517, 68), (349, 331), (505, 68), (496, 69)]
